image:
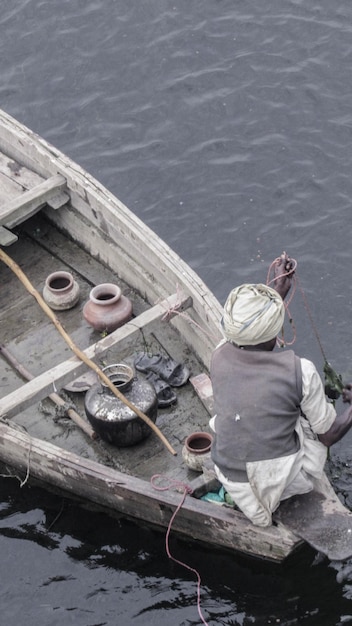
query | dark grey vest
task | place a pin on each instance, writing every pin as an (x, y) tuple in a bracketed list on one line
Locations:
[(257, 396)]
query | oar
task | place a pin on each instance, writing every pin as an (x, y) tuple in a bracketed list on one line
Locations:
[(54, 397), (77, 351)]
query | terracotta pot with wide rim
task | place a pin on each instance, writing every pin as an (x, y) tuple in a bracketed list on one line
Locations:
[(196, 450), (107, 308), (61, 291)]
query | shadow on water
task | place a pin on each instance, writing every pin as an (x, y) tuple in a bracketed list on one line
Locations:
[(99, 557)]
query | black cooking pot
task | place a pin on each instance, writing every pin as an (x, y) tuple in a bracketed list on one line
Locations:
[(110, 417)]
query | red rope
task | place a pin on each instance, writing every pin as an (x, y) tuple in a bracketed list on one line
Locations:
[(186, 490)]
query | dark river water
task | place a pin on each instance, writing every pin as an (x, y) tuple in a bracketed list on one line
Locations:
[(227, 127)]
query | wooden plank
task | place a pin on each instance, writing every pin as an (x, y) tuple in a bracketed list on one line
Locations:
[(133, 497), (204, 389), (41, 386), (67, 252), (7, 237), (21, 177), (30, 201), (320, 519), (9, 189)]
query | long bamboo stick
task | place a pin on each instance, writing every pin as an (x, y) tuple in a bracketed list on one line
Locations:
[(54, 397), (77, 351)]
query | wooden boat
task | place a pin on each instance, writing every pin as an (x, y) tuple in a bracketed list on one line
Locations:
[(55, 216)]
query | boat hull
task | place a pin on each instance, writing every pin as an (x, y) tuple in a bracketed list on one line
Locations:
[(53, 213), (217, 526)]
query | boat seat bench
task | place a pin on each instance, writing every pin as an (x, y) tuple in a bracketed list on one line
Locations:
[(25, 204), (41, 386)]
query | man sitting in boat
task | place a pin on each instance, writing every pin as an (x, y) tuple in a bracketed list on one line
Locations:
[(272, 422)]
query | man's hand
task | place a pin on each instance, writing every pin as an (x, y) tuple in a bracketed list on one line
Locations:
[(284, 269), (342, 423), (347, 393)]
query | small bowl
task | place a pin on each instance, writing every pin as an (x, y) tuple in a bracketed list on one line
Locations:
[(196, 450), (199, 443)]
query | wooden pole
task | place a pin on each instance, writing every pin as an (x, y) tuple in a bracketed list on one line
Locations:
[(54, 397), (77, 351)]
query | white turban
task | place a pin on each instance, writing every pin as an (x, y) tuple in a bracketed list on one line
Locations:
[(253, 314)]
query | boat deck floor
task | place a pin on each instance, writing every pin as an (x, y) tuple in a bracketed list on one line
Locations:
[(35, 342)]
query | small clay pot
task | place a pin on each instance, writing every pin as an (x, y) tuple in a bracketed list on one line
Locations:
[(107, 309), (196, 450), (61, 291)]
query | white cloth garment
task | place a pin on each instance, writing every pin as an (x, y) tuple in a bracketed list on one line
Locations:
[(273, 480)]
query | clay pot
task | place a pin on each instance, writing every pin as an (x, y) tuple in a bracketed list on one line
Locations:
[(107, 309), (196, 450), (110, 417), (61, 291)]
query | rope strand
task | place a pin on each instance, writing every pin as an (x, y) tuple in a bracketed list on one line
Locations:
[(309, 313), (186, 490)]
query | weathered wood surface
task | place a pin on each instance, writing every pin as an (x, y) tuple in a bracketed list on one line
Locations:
[(42, 385), (15, 178), (210, 523), (320, 519), (9, 188), (54, 397), (50, 191), (7, 237), (14, 181)]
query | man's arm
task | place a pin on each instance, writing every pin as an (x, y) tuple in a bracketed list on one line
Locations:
[(341, 424)]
